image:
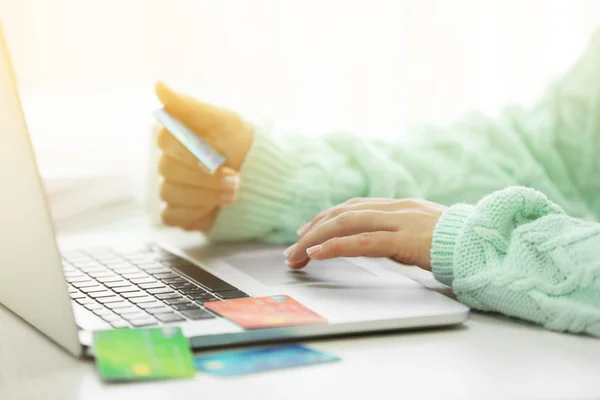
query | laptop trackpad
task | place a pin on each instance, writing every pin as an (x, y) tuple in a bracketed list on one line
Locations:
[(269, 268)]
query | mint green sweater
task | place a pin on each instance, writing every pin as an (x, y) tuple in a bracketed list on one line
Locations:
[(524, 250)]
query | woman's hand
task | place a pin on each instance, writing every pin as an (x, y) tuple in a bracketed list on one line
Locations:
[(399, 229), (193, 196)]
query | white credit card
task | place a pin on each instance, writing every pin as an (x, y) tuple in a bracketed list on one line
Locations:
[(209, 159)]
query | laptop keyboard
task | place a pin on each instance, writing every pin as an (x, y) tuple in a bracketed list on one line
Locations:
[(142, 287)]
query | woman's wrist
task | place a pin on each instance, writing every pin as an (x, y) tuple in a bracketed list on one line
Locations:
[(262, 195), (445, 237)]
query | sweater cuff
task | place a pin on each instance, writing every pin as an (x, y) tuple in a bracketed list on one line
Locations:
[(262, 195), (447, 232)]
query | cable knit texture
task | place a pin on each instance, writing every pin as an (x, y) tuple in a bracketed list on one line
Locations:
[(517, 251)]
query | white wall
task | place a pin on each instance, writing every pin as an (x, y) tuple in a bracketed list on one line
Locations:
[(368, 66)]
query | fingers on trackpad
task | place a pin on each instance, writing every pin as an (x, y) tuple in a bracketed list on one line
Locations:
[(269, 267)]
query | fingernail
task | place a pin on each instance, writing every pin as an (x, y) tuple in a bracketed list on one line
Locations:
[(312, 250), (303, 229), (231, 181), (290, 250)]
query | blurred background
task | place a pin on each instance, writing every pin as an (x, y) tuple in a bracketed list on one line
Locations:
[(86, 71)]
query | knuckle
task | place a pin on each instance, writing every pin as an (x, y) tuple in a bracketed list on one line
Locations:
[(410, 202), (165, 191), (335, 246), (365, 239), (204, 224), (336, 211), (355, 200), (166, 217), (346, 218), (165, 166)]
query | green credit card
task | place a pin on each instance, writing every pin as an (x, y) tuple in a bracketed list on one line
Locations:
[(143, 354)]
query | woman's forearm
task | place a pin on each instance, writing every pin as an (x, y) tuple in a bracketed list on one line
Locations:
[(518, 254)]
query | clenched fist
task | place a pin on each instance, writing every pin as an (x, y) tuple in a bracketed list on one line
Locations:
[(192, 197)]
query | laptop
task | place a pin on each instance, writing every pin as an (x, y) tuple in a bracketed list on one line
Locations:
[(68, 292)]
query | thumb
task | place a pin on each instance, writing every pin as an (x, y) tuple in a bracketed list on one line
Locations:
[(198, 116)]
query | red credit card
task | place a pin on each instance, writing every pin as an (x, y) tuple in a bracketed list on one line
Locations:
[(265, 312)]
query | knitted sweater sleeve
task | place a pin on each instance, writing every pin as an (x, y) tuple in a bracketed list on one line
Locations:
[(554, 148), (519, 254)]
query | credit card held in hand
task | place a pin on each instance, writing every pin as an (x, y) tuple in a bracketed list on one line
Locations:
[(265, 312), (208, 158)]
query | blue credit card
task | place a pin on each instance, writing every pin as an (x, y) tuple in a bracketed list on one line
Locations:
[(209, 159), (249, 361)]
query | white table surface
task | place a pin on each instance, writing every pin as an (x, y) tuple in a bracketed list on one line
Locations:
[(490, 357)]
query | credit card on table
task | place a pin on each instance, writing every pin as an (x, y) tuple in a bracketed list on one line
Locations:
[(142, 354), (209, 159), (265, 312), (249, 361)]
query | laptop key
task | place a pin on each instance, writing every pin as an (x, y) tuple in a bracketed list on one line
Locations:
[(197, 291), (202, 301), (118, 304), (117, 264), (93, 306), (124, 289), (161, 310), (169, 317), (135, 275), (120, 324), (197, 314), (102, 312), (136, 316), (111, 299), (150, 305), (165, 275), (85, 263), (233, 294), (169, 281), (71, 289), (145, 299), (84, 301), (91, 270), (101, 274), (184, 284), (143, 322), (73, 274), (150, 263), (106, 293), (145, 279), (111, 317), (117, 283), (127, 310), (138, 293), (88, 283), (159, 290), (186, 307), (180, 300), (108, 279), (77, 295), (171, 295), (92, 289), (201, 296), (129, 269), (77, 279), (151, 285), (158, 271)]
